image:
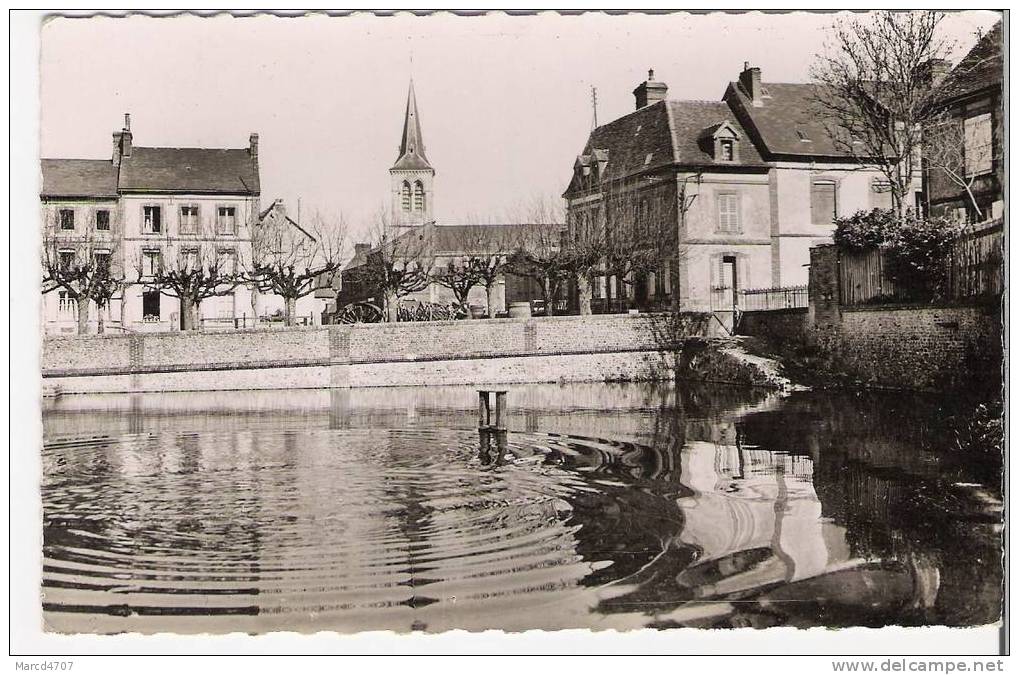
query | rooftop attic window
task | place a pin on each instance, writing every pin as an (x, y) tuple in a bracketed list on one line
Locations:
[(727, 148), (803, 137)]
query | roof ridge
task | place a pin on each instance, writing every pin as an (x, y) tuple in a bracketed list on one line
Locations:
[(174, 147)]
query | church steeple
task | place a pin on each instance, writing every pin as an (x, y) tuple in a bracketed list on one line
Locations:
[(411, 176), (412, 146)]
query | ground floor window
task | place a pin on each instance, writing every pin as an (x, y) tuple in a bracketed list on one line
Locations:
[(150, 306)]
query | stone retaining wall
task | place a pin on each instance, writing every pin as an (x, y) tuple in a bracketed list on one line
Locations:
[(548, 349)]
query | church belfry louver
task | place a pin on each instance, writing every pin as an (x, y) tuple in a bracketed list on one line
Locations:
[(411, 177)]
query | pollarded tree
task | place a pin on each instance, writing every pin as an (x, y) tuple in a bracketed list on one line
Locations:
[(79, 259), (292, 260), (396, 265), (877, 91), (191, 271)]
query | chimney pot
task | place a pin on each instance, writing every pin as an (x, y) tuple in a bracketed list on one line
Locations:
[(127, 121)]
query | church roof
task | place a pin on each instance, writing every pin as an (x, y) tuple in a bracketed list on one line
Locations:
[(412, 145)]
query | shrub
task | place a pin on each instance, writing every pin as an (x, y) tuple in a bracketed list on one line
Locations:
[(916, 250)]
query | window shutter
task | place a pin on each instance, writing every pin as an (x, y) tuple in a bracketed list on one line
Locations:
[(822, 203)]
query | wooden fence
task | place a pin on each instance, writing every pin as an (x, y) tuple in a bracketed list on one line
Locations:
[(977, 269), (974, 271)]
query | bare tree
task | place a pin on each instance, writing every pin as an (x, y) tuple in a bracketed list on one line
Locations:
[(945, 151), (292, 259), (191, 271), (538, 252), (482, 251), (876, 91), (396, 265), (80, 260), (641, 232)]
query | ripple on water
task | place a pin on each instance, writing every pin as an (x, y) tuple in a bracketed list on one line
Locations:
[(342, 529)]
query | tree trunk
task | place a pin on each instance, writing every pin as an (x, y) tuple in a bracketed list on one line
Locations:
[(674, 283), (187, 314), (255, 295), (392, 307), (546, 295), (490, 296), (289, 318), (82, 304), (100, 323), (584, 294)]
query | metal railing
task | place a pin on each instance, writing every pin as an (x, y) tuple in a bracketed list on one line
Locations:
[(764, 299)]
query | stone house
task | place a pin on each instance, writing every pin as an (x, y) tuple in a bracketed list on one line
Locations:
[(289, 234), (81, 215), (972, 97), (741, 188), (162, 203)]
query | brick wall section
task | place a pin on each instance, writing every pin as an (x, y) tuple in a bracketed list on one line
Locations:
[(823, 315), (926, 348), (779, 326)]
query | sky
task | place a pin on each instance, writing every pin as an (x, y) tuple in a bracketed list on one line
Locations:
[(504, 102)]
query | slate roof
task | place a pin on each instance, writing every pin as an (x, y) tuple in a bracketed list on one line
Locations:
[(981, 68), (451, 238), (412, 144), (198, 170), (663, 134), (78, 178), (789, 122)]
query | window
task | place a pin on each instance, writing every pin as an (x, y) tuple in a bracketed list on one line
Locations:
[(822, 202), (189, 258), (102, 219), (102, 261), (66, 260), (150, 306), (881, 194), (978, 144), (419, 196), (152, 219), (727, 150), (405, 196), (64, 303), (66, 219), (188, 219), (226, 220), (152, 262), (227, 260), (728, 212)]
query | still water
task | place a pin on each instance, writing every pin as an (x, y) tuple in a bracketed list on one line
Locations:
[(607, 506)]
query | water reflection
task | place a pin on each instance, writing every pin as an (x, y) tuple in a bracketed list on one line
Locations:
[(605, 506)]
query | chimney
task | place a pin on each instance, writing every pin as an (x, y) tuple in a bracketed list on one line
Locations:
[(650, 92), (750, 79), (117, 141), (280, 207), (125, 137), (362, 248), (934, 71), (253, 146)]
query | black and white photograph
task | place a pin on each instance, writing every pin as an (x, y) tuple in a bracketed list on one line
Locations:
[(657, 323)]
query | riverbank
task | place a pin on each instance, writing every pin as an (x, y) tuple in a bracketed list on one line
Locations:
[(602, 348)]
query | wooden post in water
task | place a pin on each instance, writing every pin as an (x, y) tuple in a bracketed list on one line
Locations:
[(485, 410)]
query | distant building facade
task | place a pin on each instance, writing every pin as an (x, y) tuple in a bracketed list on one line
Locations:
[(973, 98), (154, 205), (747, 185)]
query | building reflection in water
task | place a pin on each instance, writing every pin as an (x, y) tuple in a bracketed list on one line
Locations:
[(605, 505)]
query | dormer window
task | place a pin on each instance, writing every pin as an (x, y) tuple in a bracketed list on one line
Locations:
[(726, 142), (727, 148)]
